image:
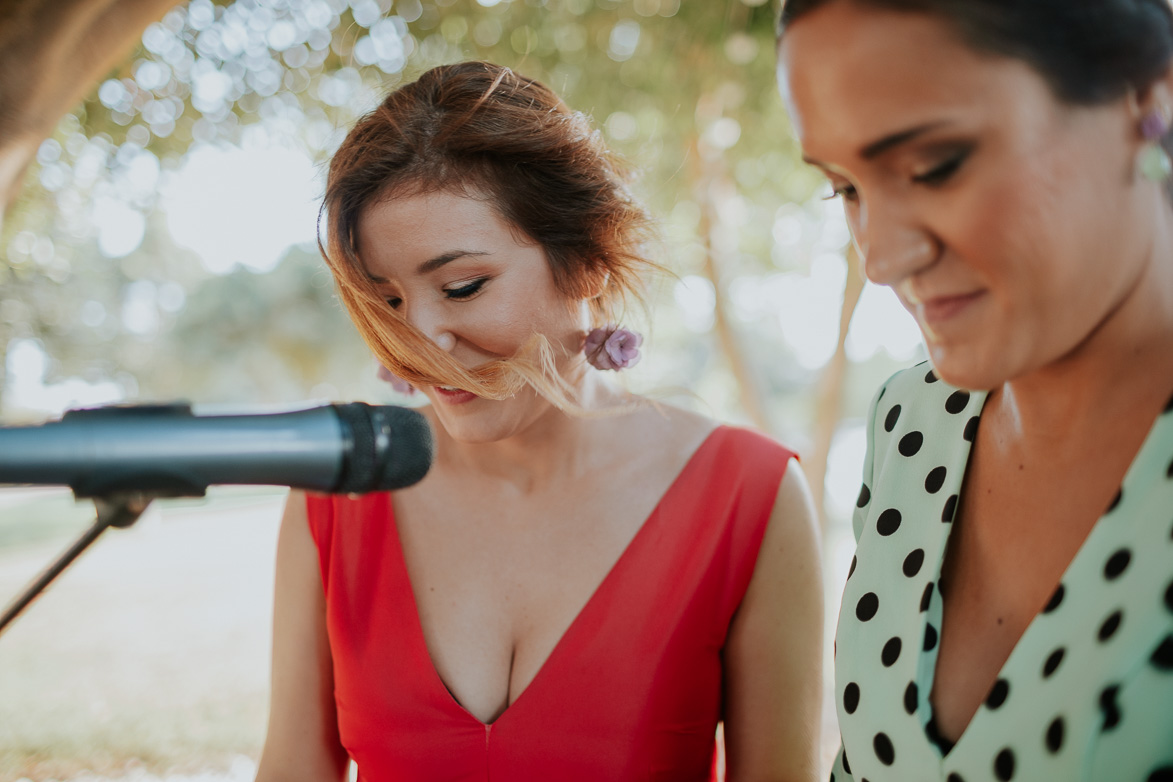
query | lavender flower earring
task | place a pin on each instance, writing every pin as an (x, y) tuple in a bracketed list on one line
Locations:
[(611, 347), (1153, 163), (396, 382)]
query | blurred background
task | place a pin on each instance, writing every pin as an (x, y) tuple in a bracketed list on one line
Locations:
[(162, 247)]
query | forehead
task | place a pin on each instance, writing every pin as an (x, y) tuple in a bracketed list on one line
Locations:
[(416, 224), (851, 74)]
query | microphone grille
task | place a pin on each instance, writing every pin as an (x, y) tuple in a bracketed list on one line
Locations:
[(407, 450), (392, 448)]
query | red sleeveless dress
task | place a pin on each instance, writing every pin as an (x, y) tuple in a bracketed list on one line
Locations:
[(632, 691)]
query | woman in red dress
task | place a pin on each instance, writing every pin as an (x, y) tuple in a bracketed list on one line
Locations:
[(585, 584)]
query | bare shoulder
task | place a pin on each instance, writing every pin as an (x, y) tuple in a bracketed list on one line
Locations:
[(670, 428)]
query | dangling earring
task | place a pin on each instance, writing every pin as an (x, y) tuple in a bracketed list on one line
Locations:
[(612, 348), (1153, 163)]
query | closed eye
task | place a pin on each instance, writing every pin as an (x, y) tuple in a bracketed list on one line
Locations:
[(466, 291), (846, 192), (940, 174)]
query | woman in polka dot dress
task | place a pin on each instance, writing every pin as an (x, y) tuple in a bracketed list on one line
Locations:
[(1009, 612)]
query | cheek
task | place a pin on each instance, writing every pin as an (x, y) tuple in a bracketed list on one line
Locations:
[(1005, 232)]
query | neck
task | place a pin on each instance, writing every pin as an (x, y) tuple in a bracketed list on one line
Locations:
[(553, 447)]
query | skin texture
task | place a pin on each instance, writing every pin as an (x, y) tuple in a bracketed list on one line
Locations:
[(524, 512), (1038, 265)]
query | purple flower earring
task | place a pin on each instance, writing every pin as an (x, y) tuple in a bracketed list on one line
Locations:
[(1153, 162), (612, 348), (396, 382)]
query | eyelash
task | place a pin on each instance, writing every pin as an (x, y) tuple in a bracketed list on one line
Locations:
[(466, 291), (847, 193), (933, 177), (462, 293), (941, 173)]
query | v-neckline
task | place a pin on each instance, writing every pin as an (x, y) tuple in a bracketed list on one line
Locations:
[(641, 533), (927, 659)]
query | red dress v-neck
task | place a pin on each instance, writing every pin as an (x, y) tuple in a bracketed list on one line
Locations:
[(632, 691)]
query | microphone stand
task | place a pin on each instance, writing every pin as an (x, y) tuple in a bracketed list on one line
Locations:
[(118, 509)]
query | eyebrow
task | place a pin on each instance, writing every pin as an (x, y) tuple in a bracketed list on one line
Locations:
[(429, 266), (887, 143)]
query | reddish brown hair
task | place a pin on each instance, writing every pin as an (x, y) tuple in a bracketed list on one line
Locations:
[(481, 130)]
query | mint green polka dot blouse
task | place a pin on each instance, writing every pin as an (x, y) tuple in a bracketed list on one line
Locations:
[(1087, 693)]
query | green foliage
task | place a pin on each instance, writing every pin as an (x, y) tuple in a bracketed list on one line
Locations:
[(685, 90)]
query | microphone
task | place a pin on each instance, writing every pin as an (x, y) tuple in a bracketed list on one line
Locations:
[(166, 450)]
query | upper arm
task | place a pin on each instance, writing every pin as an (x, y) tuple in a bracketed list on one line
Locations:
[(302, 741), (774, 656)]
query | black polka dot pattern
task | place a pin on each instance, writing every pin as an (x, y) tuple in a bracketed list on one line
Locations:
[(911, 443), (851, 698), (1162, 657), (956, 402), (998, 694), (1110, 707), (891, 652), (888, 522), (930, 638), (1004, 765), (867, 606), (1054, 737), (1053, 662), (950, 509), (1110, 626), (1117, 564), (885, 752), (1076, 697), (913, 562), (1055, 601)]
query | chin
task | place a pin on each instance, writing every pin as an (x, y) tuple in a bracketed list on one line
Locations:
[(974, 370)]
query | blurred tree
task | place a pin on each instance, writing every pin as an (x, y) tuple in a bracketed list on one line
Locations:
[(685, 90)]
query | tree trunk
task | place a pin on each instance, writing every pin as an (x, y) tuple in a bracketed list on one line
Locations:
[(52, 53), (707, 178), (829, 392)]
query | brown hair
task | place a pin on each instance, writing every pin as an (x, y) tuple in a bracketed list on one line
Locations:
[(479, 129)]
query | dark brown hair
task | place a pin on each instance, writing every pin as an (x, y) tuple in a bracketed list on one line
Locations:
[(1089, 51), (482, 130)]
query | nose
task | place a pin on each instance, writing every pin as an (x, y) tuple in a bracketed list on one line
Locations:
[(431, 321), (891, 245)]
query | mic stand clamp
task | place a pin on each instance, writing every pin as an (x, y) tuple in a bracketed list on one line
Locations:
[(117, 509)]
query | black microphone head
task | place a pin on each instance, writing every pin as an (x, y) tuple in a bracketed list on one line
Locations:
[(392, 448), (410, 447)]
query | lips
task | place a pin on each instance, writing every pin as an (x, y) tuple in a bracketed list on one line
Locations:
[(939, 310), (453, 396)]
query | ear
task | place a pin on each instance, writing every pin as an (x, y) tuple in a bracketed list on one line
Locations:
[(1154, 98), (595, 284)]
